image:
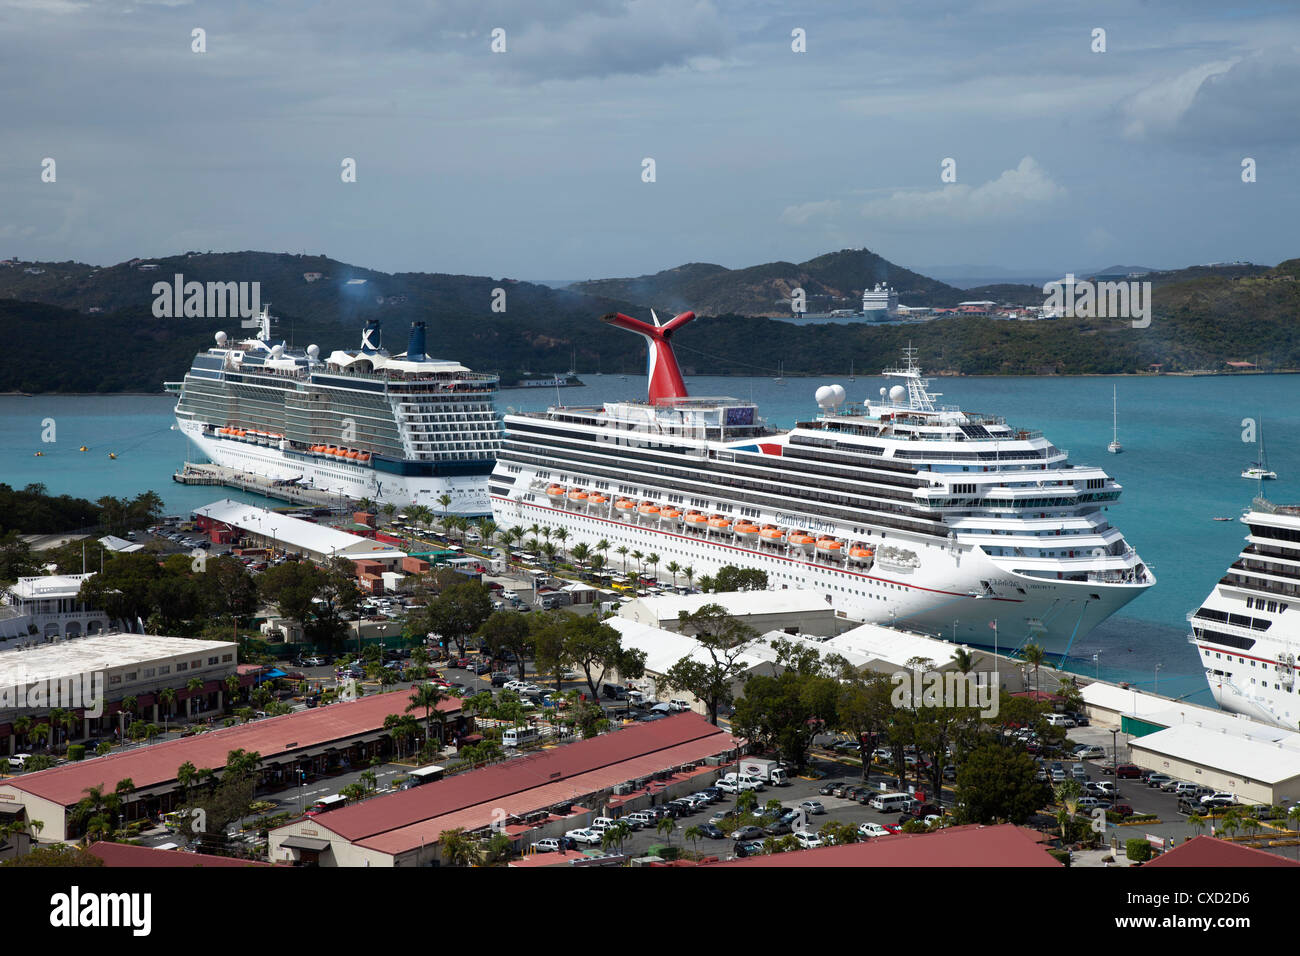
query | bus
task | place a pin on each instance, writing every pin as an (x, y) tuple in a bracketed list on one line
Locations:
[(422, 775), (519, 736)]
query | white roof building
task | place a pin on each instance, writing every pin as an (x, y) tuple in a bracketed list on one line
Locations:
[(316, 541), (39, 609), (795, 609), (1253, 768)]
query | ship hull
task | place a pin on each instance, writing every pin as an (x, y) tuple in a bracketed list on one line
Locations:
[(936, 597), (469, 493)]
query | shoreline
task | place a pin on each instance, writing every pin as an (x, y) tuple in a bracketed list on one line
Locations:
[(1188, 374)]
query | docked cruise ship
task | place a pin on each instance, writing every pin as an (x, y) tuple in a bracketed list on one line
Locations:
[(1247, 639), (405, 428), (897, 510)]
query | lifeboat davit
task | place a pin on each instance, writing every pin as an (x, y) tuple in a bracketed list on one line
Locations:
[(861, 554), (802, 540), (772, 535), (747, 529), (555, 492)]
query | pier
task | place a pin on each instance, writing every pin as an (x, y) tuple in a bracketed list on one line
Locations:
[(208, 474)]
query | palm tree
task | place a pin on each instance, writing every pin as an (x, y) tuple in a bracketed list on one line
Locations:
[(1196, 822), (458, 849), (547, 531), (688, 573), (693, 833), (637, 556), (193, 685), (1230, 823), (616, 835), (561, 535), (40, 733), (603, 547), (533, 545), (548, 549), (508, 537), (665, 828), (428, 696), (445, 501), (674, 569), (1034, 655), (389, 509), (167, 697), (487, 528), (580, 553), (22, 727), (622, 551), (365, 504), (652, 559)]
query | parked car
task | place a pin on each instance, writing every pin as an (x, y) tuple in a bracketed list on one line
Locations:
[(19, 761), (585, 835), (1107, 788), (712, 831), (1123, 809), (1128, 771), (1088, 803), (812, 807), (809, 840), (828, 789), (747, 833), (1156, 780), (547, 845), (777, 828), (870, 829), (1088, 752)]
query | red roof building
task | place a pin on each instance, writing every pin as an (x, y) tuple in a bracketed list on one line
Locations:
[(126, 854), (403, 829), (1209, 851), (968, 846)]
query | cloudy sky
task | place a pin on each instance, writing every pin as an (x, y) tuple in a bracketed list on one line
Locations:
[(528, 163)]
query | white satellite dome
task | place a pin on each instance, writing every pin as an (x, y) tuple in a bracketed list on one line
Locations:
[(277, 351), (222, 338), (313, 352), (825, 396), (897, 394), (882, 391), (838, 394)]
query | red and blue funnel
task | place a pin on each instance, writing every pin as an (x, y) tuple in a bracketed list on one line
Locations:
[(662, 373)]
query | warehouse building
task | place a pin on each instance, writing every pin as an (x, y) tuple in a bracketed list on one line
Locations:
[(969, 846), (538, 796), (792, 611), (1255, 768), (270, 529), (309, 742)]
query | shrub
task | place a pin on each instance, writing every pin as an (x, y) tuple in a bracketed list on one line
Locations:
[(76, 751), (1139, 851)]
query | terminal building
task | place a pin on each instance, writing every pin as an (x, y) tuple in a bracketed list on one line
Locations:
[(794, 611), (270, 529)]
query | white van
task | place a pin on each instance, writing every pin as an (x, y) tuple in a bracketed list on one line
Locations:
[(519, 736), (1060, 720), (892, 802), (677, 705)]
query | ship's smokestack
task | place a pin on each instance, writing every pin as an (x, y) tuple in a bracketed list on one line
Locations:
[(370, 337), (664, 378), (415, 345)]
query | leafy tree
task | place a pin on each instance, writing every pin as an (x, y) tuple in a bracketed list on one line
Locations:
[(458, 612), (998, 783), (596, 649), (732, 578), (725, 640), (787, 711), (428, 697), (458, 849), (59, 854), (508, 631)]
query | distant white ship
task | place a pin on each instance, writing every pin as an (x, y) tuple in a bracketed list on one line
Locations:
[(1258, 470)]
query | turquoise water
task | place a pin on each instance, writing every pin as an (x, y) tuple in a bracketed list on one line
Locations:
[(1183, 455)]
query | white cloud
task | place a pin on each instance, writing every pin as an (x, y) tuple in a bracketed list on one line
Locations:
[(801, 213), (1015, 194), (1159, 107)]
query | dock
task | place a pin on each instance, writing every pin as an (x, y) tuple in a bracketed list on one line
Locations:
[(207, 474)]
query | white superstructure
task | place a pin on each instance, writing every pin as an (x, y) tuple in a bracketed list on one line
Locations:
[(895, 511), (404, 428), (1248, 630)]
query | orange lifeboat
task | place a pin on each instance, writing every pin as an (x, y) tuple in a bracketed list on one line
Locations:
[(578, 495), (597, 499), (364, 456), (831, 547), (670, 514), (696, 520), (719, 523), (648, 508), (354, 454), (861, 554), (772, 535), (746, 529), (624, 506), (555, 492), (802, 540), (338, 452)]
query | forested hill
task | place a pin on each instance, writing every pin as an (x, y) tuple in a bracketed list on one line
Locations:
[(1199, 323)]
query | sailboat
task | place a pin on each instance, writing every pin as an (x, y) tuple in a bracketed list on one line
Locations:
[(1114, 447), (780, 373), (1258, 470), (852, 377)]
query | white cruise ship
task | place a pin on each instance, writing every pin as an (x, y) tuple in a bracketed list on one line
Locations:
[(898, 510), (1245, 632), (404, 428)]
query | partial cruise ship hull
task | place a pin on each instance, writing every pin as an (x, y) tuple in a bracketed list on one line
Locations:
[(468, 493), (944, 594)]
